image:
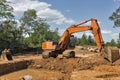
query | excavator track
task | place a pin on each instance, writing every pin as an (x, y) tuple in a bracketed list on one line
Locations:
[(68, 54), (45, 54), (48, 54)]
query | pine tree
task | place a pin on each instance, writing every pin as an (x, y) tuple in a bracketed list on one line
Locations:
[(83, 40), (91, 40)]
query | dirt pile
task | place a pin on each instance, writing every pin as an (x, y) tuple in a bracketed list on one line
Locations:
[(66, 66), (63, 64)]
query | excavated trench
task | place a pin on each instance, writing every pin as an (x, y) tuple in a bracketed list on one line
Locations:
[(11, 66)]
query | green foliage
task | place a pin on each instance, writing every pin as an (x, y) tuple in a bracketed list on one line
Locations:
[(28, 21), (31, 33), (108, 44), (116, 17), (77, 41), (84, 40), (53, 35), (90, 40), (111, 43), (8, 30), (118, 43), (5, 10), (36, 28)]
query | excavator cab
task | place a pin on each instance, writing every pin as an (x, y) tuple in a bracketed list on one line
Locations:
[(50, 46), (72, 42)]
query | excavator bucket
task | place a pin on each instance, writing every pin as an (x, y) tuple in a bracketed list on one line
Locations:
[(3, 57), (111, 53), (6, 55)]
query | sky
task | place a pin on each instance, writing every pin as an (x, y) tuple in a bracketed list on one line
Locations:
[(62, 14)]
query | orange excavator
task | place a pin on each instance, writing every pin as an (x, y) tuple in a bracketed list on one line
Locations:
[(67, 42)]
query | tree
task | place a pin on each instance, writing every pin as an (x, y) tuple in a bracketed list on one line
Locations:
[(28, 21), (90, 40), (5, 11), (35, 27), (83, 40), (113, 43), (8, 30), (108, 44), (77, 41), (116, 17), (118, 43), (39, 34), (53, 35), (10, 35)]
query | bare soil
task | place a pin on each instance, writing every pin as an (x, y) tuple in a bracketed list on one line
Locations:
[(34, 73), (86, 66)]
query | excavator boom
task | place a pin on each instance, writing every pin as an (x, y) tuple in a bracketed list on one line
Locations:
[(94, 27)]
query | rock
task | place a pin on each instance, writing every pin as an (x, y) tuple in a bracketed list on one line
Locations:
[(93, 49), (52, 68), (27, 77), (38, 66)]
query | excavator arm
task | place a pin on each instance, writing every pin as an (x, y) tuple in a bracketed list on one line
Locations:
[(64, 41), (94, 27)]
